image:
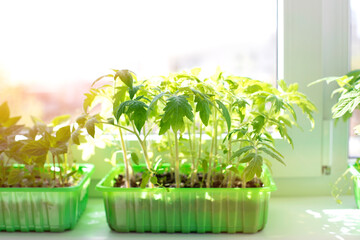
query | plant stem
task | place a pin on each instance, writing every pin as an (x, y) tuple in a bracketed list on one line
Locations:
[(60, 172), (172, 162), (192, 156), (53, 157), (211, 153), (200, 142), (126, 161), (177, 163)]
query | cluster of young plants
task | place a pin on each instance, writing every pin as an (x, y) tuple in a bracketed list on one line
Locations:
[(221, 127), (37, 156)]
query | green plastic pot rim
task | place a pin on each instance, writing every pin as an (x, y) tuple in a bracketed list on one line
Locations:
[(100, 186), (87, 168), (354, 171)]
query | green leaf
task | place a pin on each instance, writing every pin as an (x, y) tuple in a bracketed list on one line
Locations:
[(75, 136), (282, 85), (272, 154), (154, 180), (258, 123), (36, 148), (15, 176), (154, 102), (241, 151), (225, 113), (119, 96), (89, 99), (203, 107), (11, 121), (254, 168), (108, 75), (134, 90), (81, 120), (177, 107), (90, 126), (60, 119), (135, 158), (277, 102), (136, 111), (247, 158), (4, 112), (233, 169), (59, 149), (125, 76), (145, 179), (63, 134)]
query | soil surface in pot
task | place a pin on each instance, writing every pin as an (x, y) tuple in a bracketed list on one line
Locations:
[(168, 180), (43, 180)]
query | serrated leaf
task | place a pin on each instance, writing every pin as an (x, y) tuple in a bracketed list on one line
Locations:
[(272, 154), (63, 134), (282, 85), (136, 111), (225, 113), (125, 76), (134, 90), (254, 168), (135, 158), (89, 99), (177, 107), (119, 96), (60, 119), (154, 102), (241, 151), (4, 112), (247, 158), (15, 176), (203, 107)]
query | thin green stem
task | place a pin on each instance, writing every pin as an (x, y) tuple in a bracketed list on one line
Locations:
[(177, 162), (126, 160), (211, 156), (192, 156)]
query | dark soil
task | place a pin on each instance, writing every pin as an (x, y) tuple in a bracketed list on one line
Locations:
[(168, 180), (42, 183)]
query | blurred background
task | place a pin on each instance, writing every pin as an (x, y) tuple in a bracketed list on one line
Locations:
[(51, 51)]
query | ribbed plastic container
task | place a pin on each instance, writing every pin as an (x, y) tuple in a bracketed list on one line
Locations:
[(44, 209), (186, 209), (356, 177)]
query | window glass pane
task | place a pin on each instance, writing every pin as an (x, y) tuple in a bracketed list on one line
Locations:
[(354, 142), (51, 51)]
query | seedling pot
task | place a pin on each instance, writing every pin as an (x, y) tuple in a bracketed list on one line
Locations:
[(186, 210), (356, 177), (44, 209)]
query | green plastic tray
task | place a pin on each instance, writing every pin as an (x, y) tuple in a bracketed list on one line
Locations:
[(186, 209), (356, 176), (44, 209)]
